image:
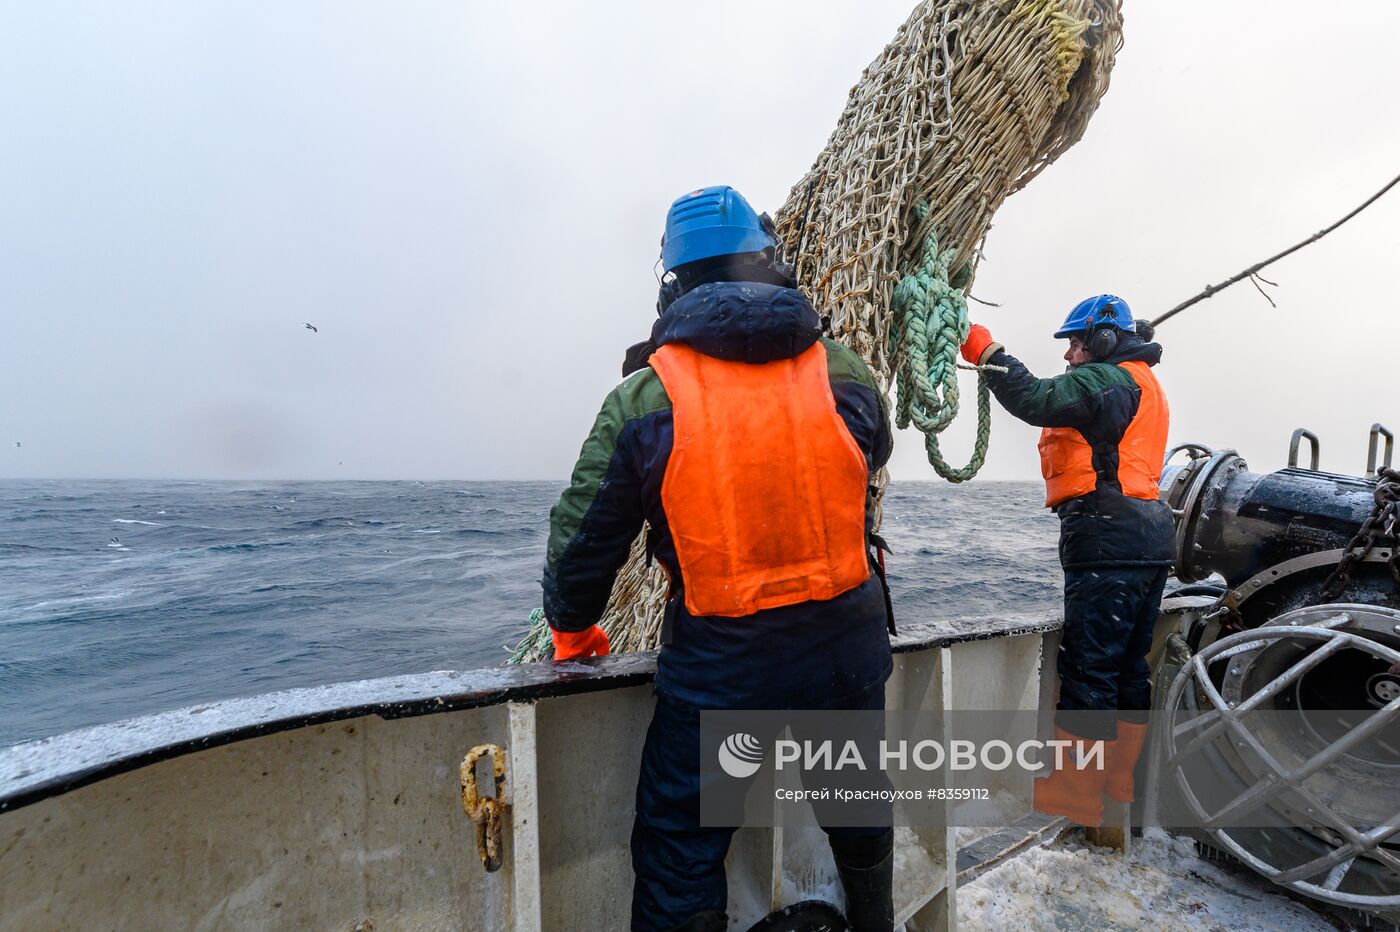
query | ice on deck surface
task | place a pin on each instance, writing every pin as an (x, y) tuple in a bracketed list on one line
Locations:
[(1162, 885)]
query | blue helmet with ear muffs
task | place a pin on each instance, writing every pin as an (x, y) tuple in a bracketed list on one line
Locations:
[(708, 223), (1102, 318)]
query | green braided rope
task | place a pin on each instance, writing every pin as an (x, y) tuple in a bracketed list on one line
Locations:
[(538, 636), (929, 327)]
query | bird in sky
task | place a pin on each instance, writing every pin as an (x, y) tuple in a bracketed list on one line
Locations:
[(18, 444), (311, 328)]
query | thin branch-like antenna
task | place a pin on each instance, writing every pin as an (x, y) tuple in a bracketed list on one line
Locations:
[(1249, 272), (1255, 280)]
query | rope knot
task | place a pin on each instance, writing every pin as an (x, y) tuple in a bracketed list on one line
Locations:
[(930, 325)]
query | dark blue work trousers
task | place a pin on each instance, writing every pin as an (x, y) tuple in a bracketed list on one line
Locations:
[(1110, 613), (679, 864)]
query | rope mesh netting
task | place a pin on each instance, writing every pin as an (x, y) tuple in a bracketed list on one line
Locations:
[(969, 102)]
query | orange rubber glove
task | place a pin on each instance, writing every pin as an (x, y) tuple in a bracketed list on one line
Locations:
[(979, 345), (569, 645)]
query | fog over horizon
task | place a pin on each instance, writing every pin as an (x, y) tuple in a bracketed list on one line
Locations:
[(466, 199)]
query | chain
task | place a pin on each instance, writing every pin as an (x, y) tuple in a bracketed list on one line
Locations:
[(1384, 521), (486, 812)]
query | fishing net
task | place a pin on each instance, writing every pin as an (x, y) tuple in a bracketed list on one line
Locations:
[(969, 102)]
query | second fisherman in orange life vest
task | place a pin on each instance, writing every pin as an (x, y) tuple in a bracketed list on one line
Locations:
[(1105, 432)]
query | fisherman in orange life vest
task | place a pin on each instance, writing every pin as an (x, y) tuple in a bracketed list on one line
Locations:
[(747, 442), (1105, 433)]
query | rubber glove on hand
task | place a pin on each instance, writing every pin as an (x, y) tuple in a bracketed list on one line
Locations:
[(979, 346), (569, 645)]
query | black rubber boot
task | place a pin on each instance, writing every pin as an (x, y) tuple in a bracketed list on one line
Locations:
[(807, 916), (866, 866), (711, 920)]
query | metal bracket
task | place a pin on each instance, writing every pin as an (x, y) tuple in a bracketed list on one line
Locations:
[(1235, 598), (1316, 445), (1197, 451), (1378, 431)]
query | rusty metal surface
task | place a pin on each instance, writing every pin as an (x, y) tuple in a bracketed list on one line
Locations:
[(486, 812)]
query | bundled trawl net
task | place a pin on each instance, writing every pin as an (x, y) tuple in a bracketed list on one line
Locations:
[(968, 103)]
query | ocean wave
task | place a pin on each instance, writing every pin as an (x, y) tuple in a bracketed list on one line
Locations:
[(78, 600), (10, 547), (350, 581), (482, 532), (249, 546), (134, 521), (334, 521)]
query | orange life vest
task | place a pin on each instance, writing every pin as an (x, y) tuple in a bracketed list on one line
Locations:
[(765, 487), (1067, 460)]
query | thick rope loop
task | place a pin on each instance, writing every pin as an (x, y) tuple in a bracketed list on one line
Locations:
[(930, 325)]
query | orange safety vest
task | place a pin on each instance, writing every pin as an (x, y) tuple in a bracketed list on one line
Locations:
[(1067, 460), (765, 487)]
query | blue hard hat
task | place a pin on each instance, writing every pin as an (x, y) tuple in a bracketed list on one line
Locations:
[(1095, 312), (714, 221)]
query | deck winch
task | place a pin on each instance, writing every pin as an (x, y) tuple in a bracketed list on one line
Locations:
[(1280, 737), (1276, 538)]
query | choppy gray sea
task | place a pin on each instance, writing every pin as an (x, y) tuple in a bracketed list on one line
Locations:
[(123, 598)]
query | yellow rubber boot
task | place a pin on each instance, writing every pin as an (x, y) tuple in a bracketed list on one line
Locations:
[(1070, 792), (1122, 757)]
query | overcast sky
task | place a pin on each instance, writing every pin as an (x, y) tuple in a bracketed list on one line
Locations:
[(466, 199)]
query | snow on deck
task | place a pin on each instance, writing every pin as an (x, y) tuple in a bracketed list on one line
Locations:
[(1162, 885)]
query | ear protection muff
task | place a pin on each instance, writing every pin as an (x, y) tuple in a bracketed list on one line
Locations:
[(669, 287), (1102, 341), (776, 262), (669, 291)]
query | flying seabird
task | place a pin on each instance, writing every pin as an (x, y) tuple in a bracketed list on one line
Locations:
[(311, 328)]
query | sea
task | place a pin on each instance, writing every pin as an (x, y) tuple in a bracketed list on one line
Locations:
[(122, 598)]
